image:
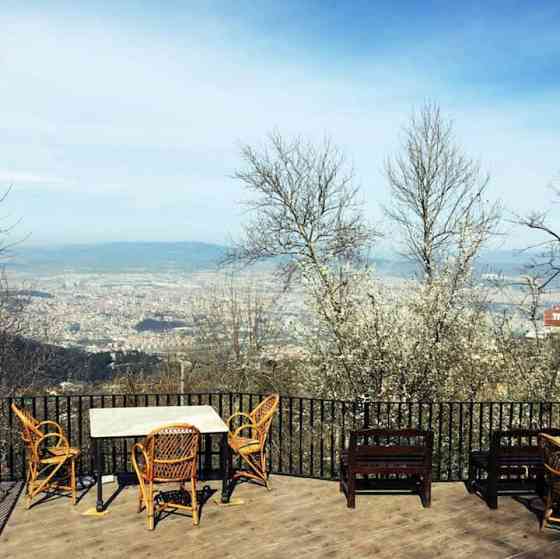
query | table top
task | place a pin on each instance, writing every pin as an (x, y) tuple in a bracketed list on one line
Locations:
[(139, 421)]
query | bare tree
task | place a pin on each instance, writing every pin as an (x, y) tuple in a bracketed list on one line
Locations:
[(305, 206), (306, 211), (438, 196), (547, 263)]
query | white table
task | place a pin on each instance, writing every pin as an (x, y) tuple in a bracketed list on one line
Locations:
[(111, 423)]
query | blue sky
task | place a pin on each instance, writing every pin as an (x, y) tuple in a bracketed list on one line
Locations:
[(123, 122)]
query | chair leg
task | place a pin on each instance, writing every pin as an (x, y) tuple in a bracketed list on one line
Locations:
[(257, 470), (73, 481), (194, 503), (264, 472), (547, 511), (150, 506)]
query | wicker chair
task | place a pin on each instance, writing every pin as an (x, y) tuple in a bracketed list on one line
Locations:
[(252, 447), (167, 454), (48, 454), (551, 452)]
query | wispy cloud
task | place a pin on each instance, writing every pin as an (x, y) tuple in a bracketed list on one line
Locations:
[(23, 178)]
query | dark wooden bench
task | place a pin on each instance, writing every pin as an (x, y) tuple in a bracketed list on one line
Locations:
[(398, 458), (513, 465)]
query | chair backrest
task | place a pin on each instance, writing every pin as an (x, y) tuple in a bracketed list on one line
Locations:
[(515, 441), (391, 442), (550, 447), (262, 416), (172, 452), (30, 433)]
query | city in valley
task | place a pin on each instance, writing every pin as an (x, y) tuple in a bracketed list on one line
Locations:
[(159, 312), (145, 311)]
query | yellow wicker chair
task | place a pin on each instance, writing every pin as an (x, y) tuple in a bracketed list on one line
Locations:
[(167, 454), (47, 453), (251, 447), (551, 453)]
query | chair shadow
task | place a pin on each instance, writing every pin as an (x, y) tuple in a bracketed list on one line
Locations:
[(83, 487), (203, 496)]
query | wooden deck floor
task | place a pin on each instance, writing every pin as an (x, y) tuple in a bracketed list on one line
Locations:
[(298, 518)]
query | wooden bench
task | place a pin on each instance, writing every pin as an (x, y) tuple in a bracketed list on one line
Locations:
[(399, 458), (512, 465)]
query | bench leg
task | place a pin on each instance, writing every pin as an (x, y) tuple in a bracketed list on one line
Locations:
[(471, 478), (351, 491), (492, 490), (541, 486), (427, 497)]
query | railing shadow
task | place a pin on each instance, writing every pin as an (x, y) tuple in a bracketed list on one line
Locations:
[(9, 494)]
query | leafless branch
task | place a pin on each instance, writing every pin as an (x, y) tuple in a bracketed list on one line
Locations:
[(438, 195)]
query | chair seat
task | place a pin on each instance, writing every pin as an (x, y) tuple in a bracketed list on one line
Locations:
[(244, 445), (59, 455), (63, 451)]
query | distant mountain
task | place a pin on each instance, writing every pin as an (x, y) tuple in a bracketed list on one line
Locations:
[(501, 262), (190, 256), (119, 256)]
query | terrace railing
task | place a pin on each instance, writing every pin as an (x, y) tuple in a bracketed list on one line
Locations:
[(306, 435)]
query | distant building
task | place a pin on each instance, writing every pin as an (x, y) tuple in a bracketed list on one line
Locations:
[(551, 319)]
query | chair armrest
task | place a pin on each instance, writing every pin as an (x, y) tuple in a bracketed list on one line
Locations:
[(238, 414), (62, 442), (550, 451), (57, 426), (252, 426), (138, 447)]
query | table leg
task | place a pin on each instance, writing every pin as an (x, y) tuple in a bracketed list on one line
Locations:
[(207, 456), (99, 471), (225, 464)]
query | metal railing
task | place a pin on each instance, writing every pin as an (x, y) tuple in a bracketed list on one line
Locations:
[(306, 435)]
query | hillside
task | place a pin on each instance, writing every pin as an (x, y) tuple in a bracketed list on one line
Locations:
[(192, 256), (118, 256)]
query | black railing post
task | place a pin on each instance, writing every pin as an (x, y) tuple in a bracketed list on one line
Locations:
[(291, 428), (311, 437), (280, 437), (366, 415), (11, 449)]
